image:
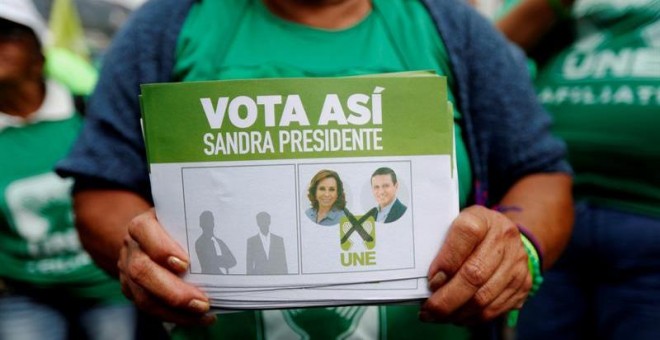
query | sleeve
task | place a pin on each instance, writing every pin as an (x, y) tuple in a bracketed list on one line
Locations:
[(508, 129), (110, 151), (518, 140)]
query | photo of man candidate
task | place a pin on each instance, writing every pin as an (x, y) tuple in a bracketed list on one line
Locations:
[(265, 251), (326, 195), (212, 253), (384, 187)]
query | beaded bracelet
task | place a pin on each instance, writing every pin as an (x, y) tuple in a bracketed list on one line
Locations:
[(533, 263), (533, 243), (534, 259)]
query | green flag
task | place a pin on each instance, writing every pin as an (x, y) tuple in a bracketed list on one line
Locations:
[(66, 28)]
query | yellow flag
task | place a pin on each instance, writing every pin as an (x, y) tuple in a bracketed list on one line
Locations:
[(66, 28)]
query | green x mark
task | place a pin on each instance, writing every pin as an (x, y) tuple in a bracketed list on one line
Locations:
[(364, 225)]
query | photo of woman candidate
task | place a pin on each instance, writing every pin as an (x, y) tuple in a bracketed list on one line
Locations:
[(326, 195)]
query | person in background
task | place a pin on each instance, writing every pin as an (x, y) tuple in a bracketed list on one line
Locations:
[(602, 87), (50, 288), (505, 154)]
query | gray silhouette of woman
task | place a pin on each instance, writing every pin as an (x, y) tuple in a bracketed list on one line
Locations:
[(213, 254)]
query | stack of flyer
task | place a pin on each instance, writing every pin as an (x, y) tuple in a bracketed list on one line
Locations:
[(304, 191)]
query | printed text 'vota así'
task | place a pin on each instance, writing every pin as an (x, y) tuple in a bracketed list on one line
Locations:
[(348, 116)]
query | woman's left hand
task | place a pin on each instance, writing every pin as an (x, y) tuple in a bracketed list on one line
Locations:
[(480, 272)]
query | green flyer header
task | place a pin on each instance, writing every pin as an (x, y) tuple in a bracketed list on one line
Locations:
[(399, 114)]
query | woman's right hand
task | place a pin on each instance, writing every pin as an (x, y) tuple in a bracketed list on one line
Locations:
[(150, 267)]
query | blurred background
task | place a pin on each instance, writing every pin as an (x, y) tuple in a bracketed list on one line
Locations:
[(99, 20)]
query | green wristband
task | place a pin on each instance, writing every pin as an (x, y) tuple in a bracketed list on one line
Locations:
[(561, 10), (534, 266)]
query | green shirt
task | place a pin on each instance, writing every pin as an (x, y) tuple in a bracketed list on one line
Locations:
[(221, 40), (244, 40), (39, 244), (604, 94)]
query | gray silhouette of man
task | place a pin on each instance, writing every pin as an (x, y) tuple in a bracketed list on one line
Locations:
[(213, 254), (265, 251)]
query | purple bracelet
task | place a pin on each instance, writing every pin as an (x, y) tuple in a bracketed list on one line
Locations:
[(524, 231)]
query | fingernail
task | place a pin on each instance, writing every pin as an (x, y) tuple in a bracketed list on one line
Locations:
[(209, 319), (438, 280), (177, 264), (199, 306)]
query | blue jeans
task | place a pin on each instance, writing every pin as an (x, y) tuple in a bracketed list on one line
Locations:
[(24, 317), (606, 285)]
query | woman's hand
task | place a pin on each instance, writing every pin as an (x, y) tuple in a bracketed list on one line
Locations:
[(150, 265), (480, 272)]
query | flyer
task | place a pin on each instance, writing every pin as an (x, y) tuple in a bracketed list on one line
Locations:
[(280, 189)]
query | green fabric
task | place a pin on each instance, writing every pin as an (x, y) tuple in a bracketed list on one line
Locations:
[(243, 40), (378, 44), (244, 325), (402, 323), (39, 245), (394, 322), (604, 94)]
